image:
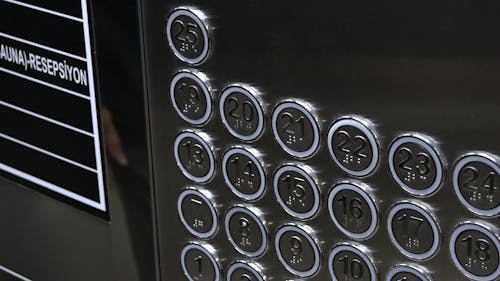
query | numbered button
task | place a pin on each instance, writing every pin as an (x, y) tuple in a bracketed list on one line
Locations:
[(241, 112), (191, 98), (347, 262), (199, 263), (474, 249), (244, 271), (353, 210), (353, 146), (246, 231), (244, 173), (415, 165), (194, 156), (296, 129), (197, 212), (407, 273), (296, 191), (297, 250), (413, 230), (476, 179), (187, 35)]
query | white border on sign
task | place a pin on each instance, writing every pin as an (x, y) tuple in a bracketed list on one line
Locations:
[(244, 265), (404, 268)]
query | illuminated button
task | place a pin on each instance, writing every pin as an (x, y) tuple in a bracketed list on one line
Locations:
[(244, 173), (353, 210), (347, 262), (297, 250), (244, 271), (415, 165), (199, 264), (296, 191), (296, 129), (353, 146), (194, 156), (476, 179), (474, 249), (407, 273), (197, 212), (187, 35), (191, 98), (413, 230), (246, 231), (241, 112)]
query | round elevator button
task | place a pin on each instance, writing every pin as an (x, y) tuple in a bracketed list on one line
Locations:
[(244, 173), (190, 95), (474, 249), (296, 129), (407, 273), (353, 210), (241, 112), (296, 191), (353, 146), (476, 180), (199, 264), (187, 35), (415, 165), (297, 250), (197, 212), (244, 271), (246, 231), (413, 230), (194, 156), (347, 262)]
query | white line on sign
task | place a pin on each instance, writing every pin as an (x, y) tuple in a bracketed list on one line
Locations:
[(46, 152), (45, 118), (48, 11), (28, 42), (53, 187), (44, 83), (93, 104), (15, 274)]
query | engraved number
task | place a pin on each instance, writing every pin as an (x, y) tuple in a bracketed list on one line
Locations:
[(191, 93), (194, 152), (291, 124), (243, 111), (472, 180), (359, 143), (479, 250), (407, 221), (295, 186), (422, 165), (354, 207), (186, 32), (352, 268)]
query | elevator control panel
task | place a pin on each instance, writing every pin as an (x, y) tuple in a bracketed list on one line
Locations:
[(311, 142)]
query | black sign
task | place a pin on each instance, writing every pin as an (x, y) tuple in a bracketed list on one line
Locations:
[(49, 137)]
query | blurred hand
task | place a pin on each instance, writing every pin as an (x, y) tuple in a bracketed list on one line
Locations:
[(112, 139)]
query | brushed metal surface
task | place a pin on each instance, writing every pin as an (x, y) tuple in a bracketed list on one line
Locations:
[(427, 67)]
